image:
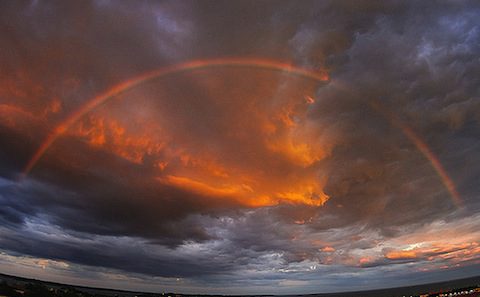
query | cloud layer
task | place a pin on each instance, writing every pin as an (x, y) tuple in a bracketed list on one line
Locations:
[(241, 179)]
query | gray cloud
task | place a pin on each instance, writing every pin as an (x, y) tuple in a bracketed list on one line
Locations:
[(161, 180)]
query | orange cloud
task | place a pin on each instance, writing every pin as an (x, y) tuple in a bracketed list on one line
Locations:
[(445, 252), (21, 86), (110, 134), (202, 188), (11, 114), (398, 255), (240, 193), (328, 249), (266, 158)]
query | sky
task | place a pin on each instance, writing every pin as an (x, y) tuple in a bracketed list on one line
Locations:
[(240, 147)]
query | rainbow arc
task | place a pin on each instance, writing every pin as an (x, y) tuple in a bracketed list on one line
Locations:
[(273, 65)]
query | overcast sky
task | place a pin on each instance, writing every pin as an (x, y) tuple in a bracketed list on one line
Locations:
[(277, 146)]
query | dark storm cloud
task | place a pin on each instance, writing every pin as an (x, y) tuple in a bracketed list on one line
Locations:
[(416, 60), (418, 67), (127, 257)]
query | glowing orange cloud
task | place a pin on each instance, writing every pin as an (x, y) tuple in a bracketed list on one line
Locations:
[(102, 132), (204, 174), (400, 255), (234, 192), (328, 249), (135, 81), (9, 113), (442, 251), (424, 149), (244, 194)]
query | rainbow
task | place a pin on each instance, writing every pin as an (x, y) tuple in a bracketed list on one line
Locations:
[(266, 64), (147, 76), (442, 173), (424, 149)]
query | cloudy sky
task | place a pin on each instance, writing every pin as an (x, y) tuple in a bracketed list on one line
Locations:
[(240, 147)]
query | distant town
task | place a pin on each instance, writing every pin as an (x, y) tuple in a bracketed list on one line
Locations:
[(13, 286)]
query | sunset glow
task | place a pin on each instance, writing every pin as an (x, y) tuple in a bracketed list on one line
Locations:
[(239, 147)]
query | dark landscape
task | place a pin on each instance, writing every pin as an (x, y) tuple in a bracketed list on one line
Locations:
[(13, 286)]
